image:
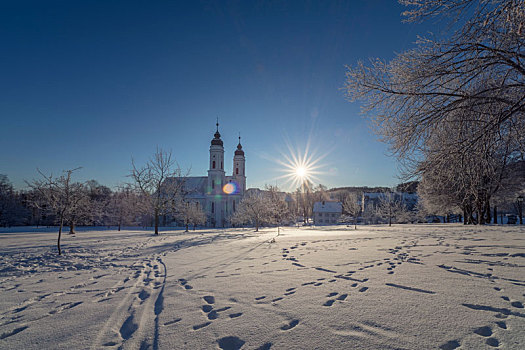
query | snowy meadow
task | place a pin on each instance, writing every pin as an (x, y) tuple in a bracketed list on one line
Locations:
[(403, 287)]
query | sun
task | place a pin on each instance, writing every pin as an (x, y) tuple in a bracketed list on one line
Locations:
[(300, 168), (301, 171)]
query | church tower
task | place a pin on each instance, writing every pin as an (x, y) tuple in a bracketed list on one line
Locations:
[(215, 180), (239, 174)]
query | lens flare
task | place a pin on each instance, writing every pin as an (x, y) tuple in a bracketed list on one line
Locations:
[(229, 188)]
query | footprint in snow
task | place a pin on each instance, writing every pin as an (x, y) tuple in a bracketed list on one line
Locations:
[(230, 343), (202, 325), (290, 325), (210, 299), (329, 302), (342, 297), (484, 331), (501, 324)]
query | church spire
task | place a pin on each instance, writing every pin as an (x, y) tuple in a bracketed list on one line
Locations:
[(217, 140), (239, 151)]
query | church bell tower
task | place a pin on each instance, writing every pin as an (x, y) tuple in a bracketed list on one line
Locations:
[(239, 168), (215, 179)]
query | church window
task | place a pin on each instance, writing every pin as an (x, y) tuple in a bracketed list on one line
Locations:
[(213, 165), (236, 171), (221, 166), (213, 207)]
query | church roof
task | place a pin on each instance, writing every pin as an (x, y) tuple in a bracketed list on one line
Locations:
[(239, 151), (217, 139)]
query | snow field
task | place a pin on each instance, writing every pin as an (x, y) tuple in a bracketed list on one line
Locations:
[(401, 287)]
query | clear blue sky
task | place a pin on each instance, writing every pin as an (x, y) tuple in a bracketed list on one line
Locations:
[(93, 83)]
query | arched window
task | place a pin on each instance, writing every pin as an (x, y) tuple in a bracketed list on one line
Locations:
[(213, 207), (236, 171), (213, 165), (221, 166)]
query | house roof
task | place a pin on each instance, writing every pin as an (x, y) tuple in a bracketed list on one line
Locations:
[(327, 207)]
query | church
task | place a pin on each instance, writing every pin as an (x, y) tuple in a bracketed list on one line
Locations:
[(217, 194)]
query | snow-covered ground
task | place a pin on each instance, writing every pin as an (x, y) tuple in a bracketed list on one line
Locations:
[(402, 287)]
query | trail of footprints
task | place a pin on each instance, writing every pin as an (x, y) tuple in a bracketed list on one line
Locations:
[(140, 305), (487, 332)]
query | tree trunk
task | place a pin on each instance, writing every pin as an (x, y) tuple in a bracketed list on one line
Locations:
[(496, 215), (257, 226), (119, 226), (72, 228), (186, 227), (156, 221), (60, 235), (487, 212), (355, 223)]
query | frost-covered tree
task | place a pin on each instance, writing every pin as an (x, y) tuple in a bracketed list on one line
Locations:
[(161, 182), (351, 206), (254, 209), (99, 202), (468, 83), (61, 197), (191, 213), (413, 94), (390, 207), (124, 207), (280, 213)]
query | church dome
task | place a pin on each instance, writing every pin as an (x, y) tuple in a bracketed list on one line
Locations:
[(217, 140), (239, 151)]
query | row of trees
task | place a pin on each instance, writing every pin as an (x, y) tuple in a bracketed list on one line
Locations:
[(453, 108)]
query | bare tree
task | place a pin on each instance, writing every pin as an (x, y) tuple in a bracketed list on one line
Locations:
[(279, 211), (459, 98), (390, 207), (61, 197), (255, 209), (161, 182), (124, 207), (192, 214), (351, 206)]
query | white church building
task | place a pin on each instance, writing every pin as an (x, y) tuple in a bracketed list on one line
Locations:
[(219, 194)]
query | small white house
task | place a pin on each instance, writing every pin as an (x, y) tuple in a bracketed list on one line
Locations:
[(327, 213)]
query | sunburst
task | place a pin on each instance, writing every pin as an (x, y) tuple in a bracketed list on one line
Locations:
[(301, 168)]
